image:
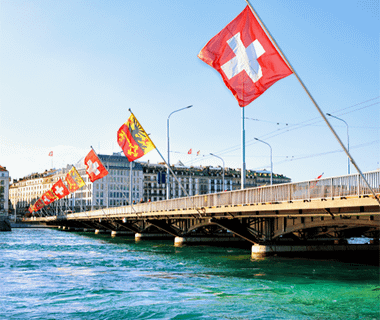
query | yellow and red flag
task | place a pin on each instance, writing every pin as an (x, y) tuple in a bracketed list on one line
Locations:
[(32, 208), (38, 205), (133, 139), (74, 180)]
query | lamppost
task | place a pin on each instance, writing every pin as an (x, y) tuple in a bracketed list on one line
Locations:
[(348, 141), (271, 162), (167, 170), (223, 168)]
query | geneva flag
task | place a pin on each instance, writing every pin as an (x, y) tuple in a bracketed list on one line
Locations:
[(74, 180), (245, 57), (39, 205), (133, 139), (95, 168)]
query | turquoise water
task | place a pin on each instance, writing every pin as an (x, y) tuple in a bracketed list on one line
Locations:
[(51, 274)]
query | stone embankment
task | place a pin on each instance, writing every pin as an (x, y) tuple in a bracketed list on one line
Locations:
[(5, 225)]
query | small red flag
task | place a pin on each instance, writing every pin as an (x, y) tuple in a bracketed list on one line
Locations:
[(314, 183), (190, 151), (245, 57), (95, 168), (320, 176)]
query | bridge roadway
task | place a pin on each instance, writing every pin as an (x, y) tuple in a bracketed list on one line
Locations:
[(312, 215)]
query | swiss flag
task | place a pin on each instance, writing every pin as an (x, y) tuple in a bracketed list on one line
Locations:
[(245, 57), (48, 197), (95, 168), (60, 190)]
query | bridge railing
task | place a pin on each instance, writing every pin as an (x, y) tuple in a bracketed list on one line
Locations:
[(342, 186)]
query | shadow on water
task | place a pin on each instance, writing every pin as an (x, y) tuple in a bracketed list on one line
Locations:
[(240, 251)]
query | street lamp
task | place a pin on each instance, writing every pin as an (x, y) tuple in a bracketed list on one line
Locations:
[(167, 170), (271, 162), (348, 141), (223, 168)]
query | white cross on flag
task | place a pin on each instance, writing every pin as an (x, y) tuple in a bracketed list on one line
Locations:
[(60, 190), (95, 168), (245, 57)]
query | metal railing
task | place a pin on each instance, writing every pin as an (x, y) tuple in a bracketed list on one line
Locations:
[(343, 186)]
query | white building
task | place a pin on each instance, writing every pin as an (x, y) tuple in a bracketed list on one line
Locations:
[(4, 190)]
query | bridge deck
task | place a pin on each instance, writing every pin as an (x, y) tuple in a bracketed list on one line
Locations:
[(308, 211)]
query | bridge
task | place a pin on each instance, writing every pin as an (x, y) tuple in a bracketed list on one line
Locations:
[(311, 215)]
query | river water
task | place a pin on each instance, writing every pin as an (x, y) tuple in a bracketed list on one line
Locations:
[(52, 274)]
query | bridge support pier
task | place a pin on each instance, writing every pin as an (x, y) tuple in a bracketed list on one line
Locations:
[(193, 240), (267, 250), (116, 233), (98, 231), (152, 236)]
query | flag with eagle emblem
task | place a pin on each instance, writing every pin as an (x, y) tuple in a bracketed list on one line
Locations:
[(133, 139)]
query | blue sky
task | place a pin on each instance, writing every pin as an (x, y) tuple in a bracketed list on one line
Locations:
[(70, 70)]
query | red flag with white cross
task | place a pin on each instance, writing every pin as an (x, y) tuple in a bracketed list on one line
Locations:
[(95, 168), (60, 190), (48, 197), (245, 57)]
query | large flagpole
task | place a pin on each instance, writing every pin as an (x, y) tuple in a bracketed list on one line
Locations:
[(312, 99), (242, 147)]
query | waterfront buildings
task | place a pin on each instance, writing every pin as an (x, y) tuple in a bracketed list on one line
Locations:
[(4, 190), (115, 189), (200, 180)]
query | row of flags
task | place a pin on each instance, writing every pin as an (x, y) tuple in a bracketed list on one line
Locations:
[(94, 169), (134, 142), (191, 151)]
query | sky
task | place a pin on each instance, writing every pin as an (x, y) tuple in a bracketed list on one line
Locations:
[(71, 70)]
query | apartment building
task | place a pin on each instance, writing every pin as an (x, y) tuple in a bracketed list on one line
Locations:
[(4, 190)]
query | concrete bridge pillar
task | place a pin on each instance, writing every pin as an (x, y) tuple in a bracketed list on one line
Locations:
[(152, 236), (98, 231), (267, 250), (225, 239), (116, 233)]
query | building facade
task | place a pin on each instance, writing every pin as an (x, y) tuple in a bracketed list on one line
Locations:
[(199, 180), (4, 191)]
